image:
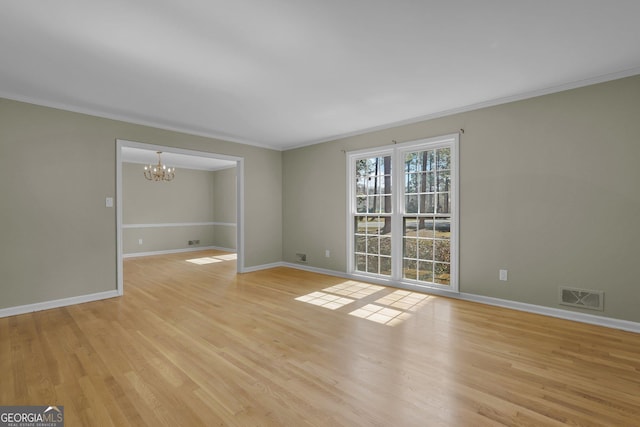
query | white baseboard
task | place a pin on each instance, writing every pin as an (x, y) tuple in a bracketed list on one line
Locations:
[(328, 272), (263, 267), (46, 305), (591, 319), (176, 251)]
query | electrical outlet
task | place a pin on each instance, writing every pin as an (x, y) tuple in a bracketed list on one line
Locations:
[(139, 241), (327, 253), (503, 275)]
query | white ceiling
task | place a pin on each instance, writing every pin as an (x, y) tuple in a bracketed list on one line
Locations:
[(286, 73), (177, 160)]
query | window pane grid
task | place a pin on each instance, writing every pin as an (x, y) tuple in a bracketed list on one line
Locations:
[(373, 185), (427, 249), (372, 249), (426, 219)]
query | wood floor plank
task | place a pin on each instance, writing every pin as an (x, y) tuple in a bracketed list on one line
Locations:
[(195, 344)]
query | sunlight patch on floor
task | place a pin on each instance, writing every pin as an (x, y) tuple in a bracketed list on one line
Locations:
[(354, 289), (380, 314), (391, 309), (404, 300), (212, 259), (332, 302), (203, 261)]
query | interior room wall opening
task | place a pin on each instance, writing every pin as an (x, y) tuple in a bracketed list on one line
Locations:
[(199, 208)]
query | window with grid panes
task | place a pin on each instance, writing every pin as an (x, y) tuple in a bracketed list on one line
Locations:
[(403, 212), (372, 219)]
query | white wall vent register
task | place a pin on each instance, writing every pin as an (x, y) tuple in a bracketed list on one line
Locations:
[(582, 298)]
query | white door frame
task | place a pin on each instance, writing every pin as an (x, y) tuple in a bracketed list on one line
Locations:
[(120, 143)]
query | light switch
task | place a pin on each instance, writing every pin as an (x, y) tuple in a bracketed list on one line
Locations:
[(109, 202)]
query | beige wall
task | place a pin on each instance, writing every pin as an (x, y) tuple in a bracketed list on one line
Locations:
[(166, 238), (188, 198), (549, 191), (225, 207), (224, 185), (194, 196), (58, 240)]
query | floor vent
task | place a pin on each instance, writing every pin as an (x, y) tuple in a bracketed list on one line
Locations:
[(582, 298)]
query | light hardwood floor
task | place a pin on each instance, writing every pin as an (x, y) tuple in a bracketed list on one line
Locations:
[(195, 344)]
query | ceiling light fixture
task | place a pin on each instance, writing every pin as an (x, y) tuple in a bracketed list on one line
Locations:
[(159, 172)]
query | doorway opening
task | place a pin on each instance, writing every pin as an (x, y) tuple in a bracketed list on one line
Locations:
[(131, 152)]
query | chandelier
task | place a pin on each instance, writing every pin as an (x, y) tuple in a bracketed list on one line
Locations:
[(159, 172)]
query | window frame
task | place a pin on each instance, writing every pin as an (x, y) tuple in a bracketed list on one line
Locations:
[(397, 153), (353, 211)]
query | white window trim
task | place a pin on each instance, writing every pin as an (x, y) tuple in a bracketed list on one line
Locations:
[(397, 152)]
